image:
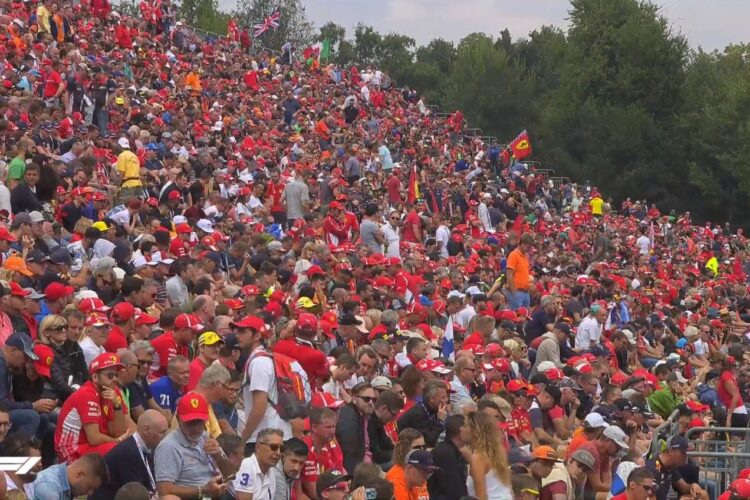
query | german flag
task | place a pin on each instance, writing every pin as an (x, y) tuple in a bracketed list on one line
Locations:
[(414, 194), (521, 146)]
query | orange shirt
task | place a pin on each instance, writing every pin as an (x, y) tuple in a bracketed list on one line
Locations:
[(194, 81), (579, 437), (519, 263), (397, 476)]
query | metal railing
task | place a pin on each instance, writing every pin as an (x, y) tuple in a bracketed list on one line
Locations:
[(721, 457)]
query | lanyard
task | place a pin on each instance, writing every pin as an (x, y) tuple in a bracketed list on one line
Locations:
[(141, 445)]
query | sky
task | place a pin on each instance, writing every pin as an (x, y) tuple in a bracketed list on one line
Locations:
[(711, 24)]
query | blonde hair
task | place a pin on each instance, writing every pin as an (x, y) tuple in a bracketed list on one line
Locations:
[(405, 438), (82, 225), (308, 250), (374, 315), (50, 321), (485, 439)]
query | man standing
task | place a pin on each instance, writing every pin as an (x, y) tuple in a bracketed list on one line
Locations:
[(296, 197), (351, 430), (413, 231), (517, 273), (370, 231), (590, 330), (391, 234), (94, 418), (188, 463), (451, 482), (132, 460), (303, 348)]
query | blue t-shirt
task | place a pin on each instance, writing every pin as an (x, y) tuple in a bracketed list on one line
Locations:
[(224, 411), (165, 393)]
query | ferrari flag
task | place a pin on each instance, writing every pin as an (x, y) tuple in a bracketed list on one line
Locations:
[(521, 146)]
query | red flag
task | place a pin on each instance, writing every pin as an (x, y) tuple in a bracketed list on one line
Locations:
[(521, 146), (413, 185)]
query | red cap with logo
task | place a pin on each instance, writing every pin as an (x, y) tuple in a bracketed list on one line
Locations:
[(307, 320), (92, 304), (325, 400), (253, 322), (46, 356), (122, 312), (104, 361), (188, 321), (192, 406)]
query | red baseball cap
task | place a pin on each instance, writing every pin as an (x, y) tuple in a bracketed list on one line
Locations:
[(123, 311), (501, 364), (515, 386), (56, 291), (313, 270), (96, 319), (325, 400), (174, 195), (46, 356), (554, 374), (183, 228), (250, 290), (104, 361), (234, 304), (98, 196), (335, 205), (253, 322), (15, 289), (188, 321), (433, 365), (145, 319), (307, 320), (494, 350), (92, 304), (192, 406)]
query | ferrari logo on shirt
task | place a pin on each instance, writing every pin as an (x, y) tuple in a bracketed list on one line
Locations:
[(106, 410), (48, 361)]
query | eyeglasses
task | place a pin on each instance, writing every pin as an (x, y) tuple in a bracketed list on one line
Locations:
[(273, 446), (144, 362), (61, 328), (367, 399), (5, 424), (651, 488)]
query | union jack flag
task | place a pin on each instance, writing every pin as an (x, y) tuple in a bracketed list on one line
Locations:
[(270, 21)]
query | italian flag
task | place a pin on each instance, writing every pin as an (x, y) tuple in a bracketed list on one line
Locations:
[(318, 51)]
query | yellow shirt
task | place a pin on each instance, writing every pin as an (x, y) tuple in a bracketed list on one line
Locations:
[(129, 168), (596, 205), (42, 19), (212, 424)]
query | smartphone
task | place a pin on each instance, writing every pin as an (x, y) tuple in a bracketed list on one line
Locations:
[(228, 478)]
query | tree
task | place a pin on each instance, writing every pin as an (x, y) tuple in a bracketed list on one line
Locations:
[(438, 53), (367, 44), (293, 27), (204, 15), (486, 86)]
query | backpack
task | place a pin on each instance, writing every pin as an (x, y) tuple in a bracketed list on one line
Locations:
[(290, 387)]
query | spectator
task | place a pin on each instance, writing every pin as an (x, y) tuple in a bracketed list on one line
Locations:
[(450, 457), (464, 375), (387, 407), (132, 460), (187, 461), (665, 469), (566, 478), (96, 332), (408, 440), (288, 472), (69, 369), (324, 452), (226, 408), (351, 429), (212, 388), (209, 344), (21, 445), (67, 481), (169, 388), (428, 416), (489, 473), (255, 477), (94, 419)]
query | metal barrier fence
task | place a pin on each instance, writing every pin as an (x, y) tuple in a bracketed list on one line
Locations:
[(559, 181), (723, 456)]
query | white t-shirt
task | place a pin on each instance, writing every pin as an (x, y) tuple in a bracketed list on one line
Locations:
[(260, 375), (589, 330), (442, 236), (250, 479), (122, 217), (643, 244), (90, 350)]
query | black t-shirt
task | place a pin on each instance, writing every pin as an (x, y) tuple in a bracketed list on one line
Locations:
[(537, 325), (664, 477), (100, 91)]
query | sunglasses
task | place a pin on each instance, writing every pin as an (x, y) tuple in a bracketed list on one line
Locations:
[(367, 399), (59, 328), (274, 446), (651, 488), (143, 362)]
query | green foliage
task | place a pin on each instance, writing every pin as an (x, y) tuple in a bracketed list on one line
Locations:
[(293, 26), (204, 15)]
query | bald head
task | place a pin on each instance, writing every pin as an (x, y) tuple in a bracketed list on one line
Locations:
[(152, 427)]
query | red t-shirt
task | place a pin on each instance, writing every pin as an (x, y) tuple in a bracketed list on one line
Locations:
[(313, 361), (393, 185), (52, 83), (521, 422), (116, 340), (412, 219), (727, 377), (197, 367), (84, 406), (327, 459), (178, 248), (165, 348), (599, 465)]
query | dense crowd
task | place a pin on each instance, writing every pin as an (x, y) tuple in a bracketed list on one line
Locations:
[(231, 273)]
